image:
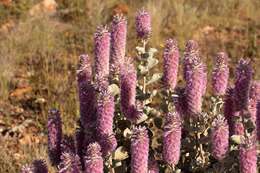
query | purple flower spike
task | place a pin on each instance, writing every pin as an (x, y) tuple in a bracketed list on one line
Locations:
[(86, 92), (37, 166), (229, 107), (93, 159), (108, 143), (139, 150), (54, 136), (243, 79), (172, 139), (258, 120), (128, 82), (143, 24), (254, 96), (68, 144), (40, 166), (102, 50), (118, 43), (193, 90), (84, 72), (248, 156), (170, 64), (105, 115), (153, 166), (191, 57), (70, 163), (220, 138), (220, 74)]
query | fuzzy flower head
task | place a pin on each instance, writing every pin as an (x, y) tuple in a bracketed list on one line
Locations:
[(105, 113), (258, 120), (128, 82), (172, 139), (108, 144), (54, 136), (194, 89), (93, 159), (143, 24), (243, 77), (254, 96), (37, 166), (153, 166), (139, 150), (118, 42), (101, 51), (220, 74), (70, 163), (248, 156), (170, 64), (219, 137), (228, 107), (84, 72)]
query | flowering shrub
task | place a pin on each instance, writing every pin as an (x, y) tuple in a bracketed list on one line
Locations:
[(133, 119)]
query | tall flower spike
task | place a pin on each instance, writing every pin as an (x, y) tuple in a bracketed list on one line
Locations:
[(170, 64), (139, 150), (118, 43), (54, 136), (37, 166), (172, 139), (248, 156), (101, 51), (105, 115), (243, 77), (219, 138), (220, 74), (229, 107), (258, 120), (195, 76), (128, 82), (191, 57), (254, 96), (93, 159), (153, 166), (143, 24), (86, 92), (70, 163)]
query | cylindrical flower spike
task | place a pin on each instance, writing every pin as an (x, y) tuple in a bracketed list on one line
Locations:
[(54, 136), (254, 96), (220, 74), (191, 57), (105, 115), (248, 156), (118, 43), (128, 82), (243, 79), (219, 138), (153, 166), (258, 120), (143, 24), (170, 64), (37, 166), (93, 159), (139, 150), (70, 163), (229, 107), (102, 52), (172, 139), (86, 92), (68, 144)]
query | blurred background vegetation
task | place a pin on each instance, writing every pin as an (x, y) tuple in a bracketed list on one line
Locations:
[(40, 41)]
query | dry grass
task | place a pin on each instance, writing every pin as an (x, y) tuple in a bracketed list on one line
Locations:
[(45, 49)]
